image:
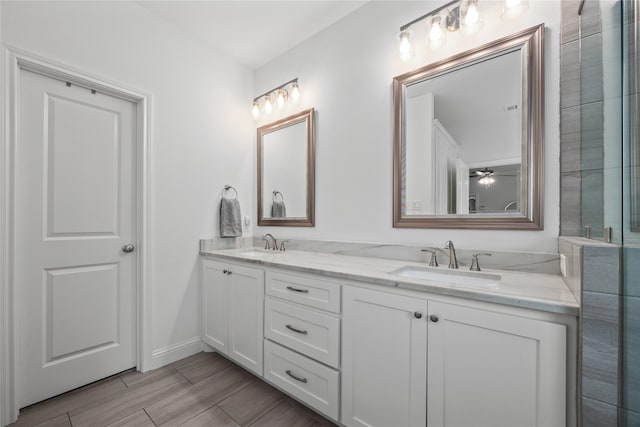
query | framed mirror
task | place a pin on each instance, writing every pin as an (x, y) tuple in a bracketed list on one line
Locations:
[(286, 171), (468, 138)]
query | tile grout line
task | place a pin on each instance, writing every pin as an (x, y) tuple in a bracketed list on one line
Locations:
[(149, 416), (123, 382), (266, 412), (206, 409), (186, 421), (185, 377)]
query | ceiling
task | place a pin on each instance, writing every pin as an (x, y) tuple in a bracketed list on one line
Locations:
[(252, 32)]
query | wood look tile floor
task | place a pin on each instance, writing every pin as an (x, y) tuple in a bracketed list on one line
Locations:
[(201, 390)]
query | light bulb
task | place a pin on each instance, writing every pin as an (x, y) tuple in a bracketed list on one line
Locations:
[(436, 36), (295, 92), (436, 33), (405, 49), (472, 15), (280, 100), (255, 110), (487, 180), (267, 104)]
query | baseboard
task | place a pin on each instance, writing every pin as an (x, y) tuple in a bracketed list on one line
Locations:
[(169, 354), (206, 347)]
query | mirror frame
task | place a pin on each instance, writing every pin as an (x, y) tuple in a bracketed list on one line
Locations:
[(304, 116), (531, 41)]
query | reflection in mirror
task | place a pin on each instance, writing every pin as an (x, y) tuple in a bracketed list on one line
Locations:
[(286, 171), (468, 138)]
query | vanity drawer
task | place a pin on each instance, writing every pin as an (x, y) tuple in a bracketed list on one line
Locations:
[(309, 381), (318, 293), (307, 331)]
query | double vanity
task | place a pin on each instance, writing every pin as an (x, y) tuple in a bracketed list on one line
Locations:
[(380, 342)]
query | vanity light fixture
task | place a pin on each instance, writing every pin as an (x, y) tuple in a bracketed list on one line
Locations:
[(463, 15), (280, 95)]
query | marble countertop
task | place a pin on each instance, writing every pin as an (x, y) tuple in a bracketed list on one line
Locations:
[(546, 292)]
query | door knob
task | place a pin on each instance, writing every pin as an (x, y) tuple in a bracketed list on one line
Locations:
[(434, 318), (128, 248), (417, 315)]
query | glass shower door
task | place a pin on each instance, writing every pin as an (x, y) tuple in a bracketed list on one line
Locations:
[(631, 214)]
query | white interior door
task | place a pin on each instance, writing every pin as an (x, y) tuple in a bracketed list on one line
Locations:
[(75, 210)]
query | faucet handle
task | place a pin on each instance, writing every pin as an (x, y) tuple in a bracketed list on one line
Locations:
[(434, 261), (475, 266), (282, 242)]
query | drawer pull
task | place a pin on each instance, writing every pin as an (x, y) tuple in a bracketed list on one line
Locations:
[(304, 291), (302, 380), (300, 331)]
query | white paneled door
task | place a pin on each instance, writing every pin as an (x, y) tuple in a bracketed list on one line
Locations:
[(75, 216)]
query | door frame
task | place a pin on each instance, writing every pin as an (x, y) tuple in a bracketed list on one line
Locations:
[(14, 61)]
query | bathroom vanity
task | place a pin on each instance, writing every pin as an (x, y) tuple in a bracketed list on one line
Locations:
[(366, 343)]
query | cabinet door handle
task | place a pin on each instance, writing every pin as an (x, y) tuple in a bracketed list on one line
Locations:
[(433, 318), (224, 271), (295, 377), (417, 315), (300, 331), (229, 272), (304, 291)]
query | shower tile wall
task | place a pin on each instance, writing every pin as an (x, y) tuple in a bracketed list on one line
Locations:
[(570, 145), (594, 275), (582, 119), (631, 348), (588, 96)]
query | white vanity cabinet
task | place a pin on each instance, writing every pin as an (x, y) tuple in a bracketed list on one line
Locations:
[(486, 368), (410, 361), (302, 338), (384, 359), (233, 311)]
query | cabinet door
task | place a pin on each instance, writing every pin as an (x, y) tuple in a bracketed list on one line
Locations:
[(384, 359), (246, 310), (215, 307), (491, 369)]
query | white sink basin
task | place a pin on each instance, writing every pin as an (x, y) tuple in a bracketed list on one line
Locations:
[(464, 278)]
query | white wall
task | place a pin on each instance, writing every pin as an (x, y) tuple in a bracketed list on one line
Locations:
[(201, 134), (346, 72)]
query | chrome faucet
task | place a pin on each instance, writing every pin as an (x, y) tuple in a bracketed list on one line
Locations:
[(433, 262), (475, 266), (269, 237), (453, 260)]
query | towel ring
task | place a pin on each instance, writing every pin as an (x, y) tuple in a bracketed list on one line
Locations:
[(227, 188), (275, 195)]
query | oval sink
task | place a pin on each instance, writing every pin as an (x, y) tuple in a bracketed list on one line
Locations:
[(465, 278)]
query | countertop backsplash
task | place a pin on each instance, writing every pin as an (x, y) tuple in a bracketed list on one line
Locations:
[(531, 262)]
